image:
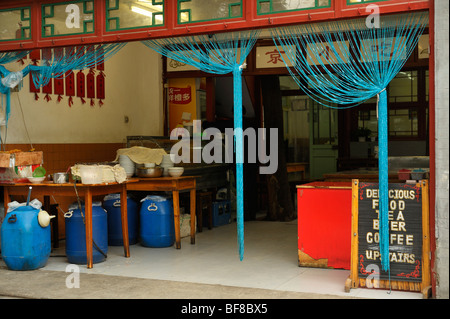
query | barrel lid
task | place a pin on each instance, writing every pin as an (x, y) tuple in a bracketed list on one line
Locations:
[(35, 204), (113, 197), (74, 205), (154, 198)]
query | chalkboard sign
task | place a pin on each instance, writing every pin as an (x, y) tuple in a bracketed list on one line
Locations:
[(408, 237)]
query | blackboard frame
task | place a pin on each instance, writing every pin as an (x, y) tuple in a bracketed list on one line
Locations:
[(355, 280)]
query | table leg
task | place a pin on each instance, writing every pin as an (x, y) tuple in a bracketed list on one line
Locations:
[(176, 217), (193, 216), (124, 214), (6, 198), (88, 226)]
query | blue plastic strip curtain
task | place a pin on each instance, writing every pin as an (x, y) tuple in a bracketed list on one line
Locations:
[(219, 54), (347, 63), (5, 58), (57, 66)]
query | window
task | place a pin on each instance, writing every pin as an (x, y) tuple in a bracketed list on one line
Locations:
[(68, 18), (207, 10), (403, 122), (407, 107), (15, 24), (273, 6), (129, 14), (362, 1), (403, 88)]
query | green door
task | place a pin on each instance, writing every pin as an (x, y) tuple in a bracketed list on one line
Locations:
[(323, 140)]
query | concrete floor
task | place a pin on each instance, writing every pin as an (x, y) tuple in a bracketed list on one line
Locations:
[(212, 265)]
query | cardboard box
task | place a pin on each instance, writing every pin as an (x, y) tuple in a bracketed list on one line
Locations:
[(5, 159), (28, 158), (15, 167), (21, 159)]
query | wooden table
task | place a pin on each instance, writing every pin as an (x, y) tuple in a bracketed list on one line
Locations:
[(48, 189), (296, 167), (174, 185)]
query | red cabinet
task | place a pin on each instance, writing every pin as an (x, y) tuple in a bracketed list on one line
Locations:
[(324, 224)]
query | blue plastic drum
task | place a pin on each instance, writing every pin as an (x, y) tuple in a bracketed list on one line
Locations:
[(112, 205), (76, 234), (25, 244), (156, 222)]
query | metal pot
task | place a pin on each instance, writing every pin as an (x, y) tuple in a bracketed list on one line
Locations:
[(149, 172), (60, 178)]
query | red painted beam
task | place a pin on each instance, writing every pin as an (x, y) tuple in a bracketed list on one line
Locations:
[(339, 9)]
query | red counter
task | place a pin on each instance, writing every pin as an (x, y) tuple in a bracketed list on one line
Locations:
[(324, 224)]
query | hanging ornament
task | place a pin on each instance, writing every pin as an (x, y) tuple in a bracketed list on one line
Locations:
[(90, 86), (70, 86), (48, 88), (80, 86), (58, 83), (100, 88), (35, 56)]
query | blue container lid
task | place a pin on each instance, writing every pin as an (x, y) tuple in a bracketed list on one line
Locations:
[(114, 197), (154, 198), (74, 206)]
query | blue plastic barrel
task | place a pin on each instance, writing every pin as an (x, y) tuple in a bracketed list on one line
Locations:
[(25, 244), (111, 203), (156, 222), (76, 234)]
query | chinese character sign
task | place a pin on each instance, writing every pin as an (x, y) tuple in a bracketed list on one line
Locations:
[(180, 95), (182, 99), (269, 57)]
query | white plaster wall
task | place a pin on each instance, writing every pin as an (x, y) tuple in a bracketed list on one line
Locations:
[(442, 146), (133, 89)]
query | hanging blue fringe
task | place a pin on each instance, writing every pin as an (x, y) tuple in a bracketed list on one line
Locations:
[(362, 62), (219, 54)]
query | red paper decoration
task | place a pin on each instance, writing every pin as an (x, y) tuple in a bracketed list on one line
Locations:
[(100, 87), (58, 83), (90, 86), (35, 56), (59, 88), (70, 86), (80, 86)]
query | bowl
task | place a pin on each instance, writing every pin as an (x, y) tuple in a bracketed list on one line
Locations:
[(149, 172), (176, 171), (36, 180)]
